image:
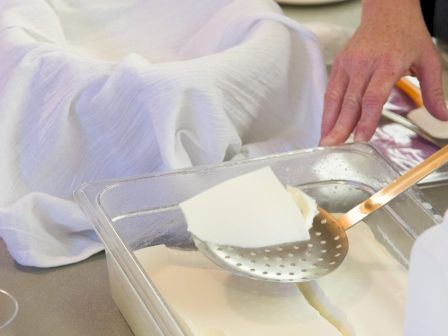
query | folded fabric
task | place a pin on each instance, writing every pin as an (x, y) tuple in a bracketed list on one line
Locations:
[(102, 89), (427, 305)]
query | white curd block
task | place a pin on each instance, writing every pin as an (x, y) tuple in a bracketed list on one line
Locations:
[(210, 301), (431, 125), (366, 294), (251, 210)]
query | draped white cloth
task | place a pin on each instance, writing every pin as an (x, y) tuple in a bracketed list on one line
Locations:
[(427, 306), (99, 89)]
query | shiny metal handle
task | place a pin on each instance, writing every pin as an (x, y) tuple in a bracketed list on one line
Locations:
[(395, 188)]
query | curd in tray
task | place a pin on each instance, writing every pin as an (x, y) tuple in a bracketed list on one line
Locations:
[(212, 302), (365, 296)]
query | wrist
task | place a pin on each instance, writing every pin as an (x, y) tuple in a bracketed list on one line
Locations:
[(396, 10)]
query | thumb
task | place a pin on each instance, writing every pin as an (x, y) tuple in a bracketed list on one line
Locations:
[(430, 75)]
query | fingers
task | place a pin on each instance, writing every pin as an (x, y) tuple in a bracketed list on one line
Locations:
[(334, 95), (350, 109), (430, 75), (368, 89), (373, 101)]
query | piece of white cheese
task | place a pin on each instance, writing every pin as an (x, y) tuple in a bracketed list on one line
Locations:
[(209, 301), (251, 210)]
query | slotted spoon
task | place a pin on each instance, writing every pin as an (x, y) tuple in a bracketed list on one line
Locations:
[(328, 246)]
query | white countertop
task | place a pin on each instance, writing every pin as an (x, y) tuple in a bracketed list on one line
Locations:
[(346, 13)]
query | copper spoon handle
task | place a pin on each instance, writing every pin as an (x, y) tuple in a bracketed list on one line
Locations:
[(395, 188), (410, 90)]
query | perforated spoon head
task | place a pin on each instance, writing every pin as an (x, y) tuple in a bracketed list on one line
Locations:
[(328, 245), (293, 262)]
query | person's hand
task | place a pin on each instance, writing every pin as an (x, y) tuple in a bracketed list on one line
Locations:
[(391, 41)]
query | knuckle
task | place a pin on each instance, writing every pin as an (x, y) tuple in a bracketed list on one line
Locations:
[(390, 64), (341, 131), (437, 103), (337, 62), (352, 60), (342, 59), (437, 93), (435, 63), (332, 97), (368, 121), (355, 62), (362, 59), (351, 102), (372, 101)]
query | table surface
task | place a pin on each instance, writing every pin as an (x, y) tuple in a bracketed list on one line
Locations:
[(75, 299), (346, 13)]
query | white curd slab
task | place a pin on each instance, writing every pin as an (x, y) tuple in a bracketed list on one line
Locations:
[(251, 210)]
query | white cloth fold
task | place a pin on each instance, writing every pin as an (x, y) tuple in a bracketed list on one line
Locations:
[(102, 89), (427, 303)]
